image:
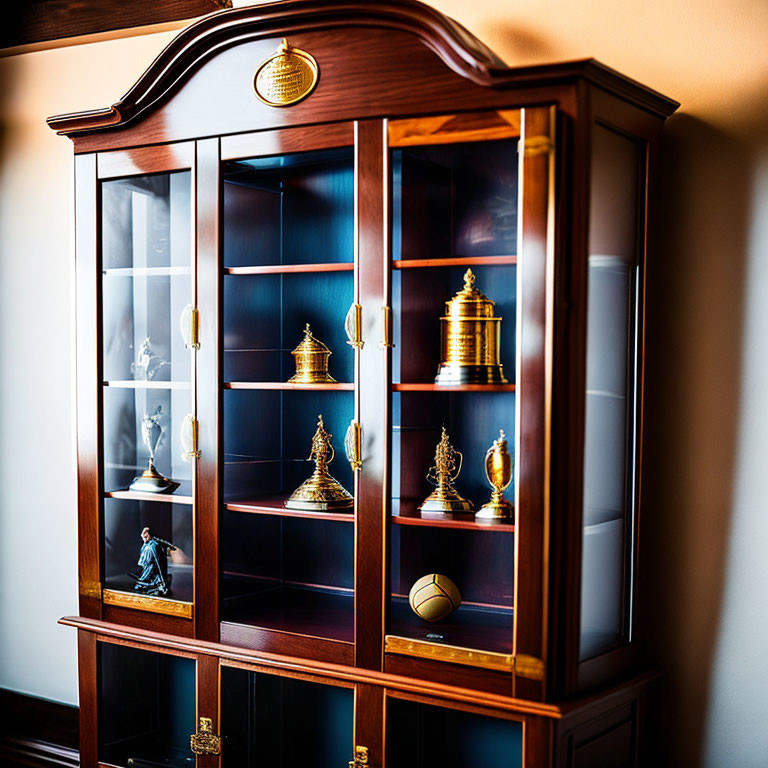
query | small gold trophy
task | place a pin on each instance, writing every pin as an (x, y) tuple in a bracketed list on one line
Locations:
[(498, 470), (311, 358), (445, 499), (320, 492), (151, 481)]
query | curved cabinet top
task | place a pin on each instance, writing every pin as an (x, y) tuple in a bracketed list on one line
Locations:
[(375, 59)]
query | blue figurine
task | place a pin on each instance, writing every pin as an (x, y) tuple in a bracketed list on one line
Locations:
[(153, 578)]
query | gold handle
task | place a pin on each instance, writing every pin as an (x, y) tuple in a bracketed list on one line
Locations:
[(190, 327), (387, 343), (361, 758), (189, 436), (205, 741), (353, 445), (353, 325)]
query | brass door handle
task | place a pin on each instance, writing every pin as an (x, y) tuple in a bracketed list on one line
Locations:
[(361, 758), (205, 741), (353, 441), (353, 325), (189, 438), (190, 327)]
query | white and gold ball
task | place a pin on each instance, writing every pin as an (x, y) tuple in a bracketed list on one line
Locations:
[(433, 597)]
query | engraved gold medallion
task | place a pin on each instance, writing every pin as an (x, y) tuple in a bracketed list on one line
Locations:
[(286, 77)]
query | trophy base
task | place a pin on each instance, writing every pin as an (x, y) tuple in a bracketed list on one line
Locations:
[(495, 512), (312, 378), (152, 482), (453, 374), (320, 494), (441, 505)]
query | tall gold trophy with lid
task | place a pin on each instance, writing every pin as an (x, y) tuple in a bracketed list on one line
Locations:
[(498, 470), (470, 339)]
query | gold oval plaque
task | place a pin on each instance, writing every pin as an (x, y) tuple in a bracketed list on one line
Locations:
[(286, 77)]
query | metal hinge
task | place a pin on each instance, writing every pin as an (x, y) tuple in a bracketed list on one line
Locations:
[(90, 588), (361, 758), (538, 145), (387, 343), (353, 441), (353, 325), (189, 436), (190, 327), (205, 741)]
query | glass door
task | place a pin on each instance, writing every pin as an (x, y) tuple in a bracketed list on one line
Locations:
[(147, 265), (454, 202)]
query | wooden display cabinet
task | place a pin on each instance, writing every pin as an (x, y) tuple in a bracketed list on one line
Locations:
[(211, 227)]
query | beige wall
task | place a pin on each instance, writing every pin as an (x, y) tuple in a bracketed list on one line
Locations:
[(708, 311)]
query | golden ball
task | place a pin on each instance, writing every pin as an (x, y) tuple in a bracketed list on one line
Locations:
[(433, 597)]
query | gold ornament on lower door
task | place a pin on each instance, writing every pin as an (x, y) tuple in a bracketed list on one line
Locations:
[(445, 499), (498, 470), (434, 597), (320, 492)]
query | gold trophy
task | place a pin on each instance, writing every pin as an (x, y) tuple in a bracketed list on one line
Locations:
[(445, 499), (151, 481), (311, 358), (498, 470), (320, 492), (470, 339)]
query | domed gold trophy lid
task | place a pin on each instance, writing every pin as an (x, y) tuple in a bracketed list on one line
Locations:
[(445, 499), (470, 339), (320, 492), (498, 470), (311, 358)]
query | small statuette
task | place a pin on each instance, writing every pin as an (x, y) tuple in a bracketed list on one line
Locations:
[(151, 481), (320, 492), (470, 339), (498, 470), (153, 578), (445, 499), (311, 358), (147, 363)]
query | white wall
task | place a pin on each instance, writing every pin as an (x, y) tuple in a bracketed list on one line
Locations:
[(708, 289)]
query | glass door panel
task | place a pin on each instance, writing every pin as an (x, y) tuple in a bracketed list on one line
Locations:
[(147, 292), (147, 708), (289, 281), (454, 190), (283, 722), (425, 736)]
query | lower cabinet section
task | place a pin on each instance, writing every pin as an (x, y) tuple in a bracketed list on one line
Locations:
[(178, 703)]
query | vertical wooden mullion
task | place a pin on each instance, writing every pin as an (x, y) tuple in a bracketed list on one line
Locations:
[(534, 388), (208, 390), (88, 675), (371, 174), (208, 701), (369, 723), (88, 335)]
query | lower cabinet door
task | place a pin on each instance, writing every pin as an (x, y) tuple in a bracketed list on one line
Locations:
[(283, 722), (426, 736), (147, 707)]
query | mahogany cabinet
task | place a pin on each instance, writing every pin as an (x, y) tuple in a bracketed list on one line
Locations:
[(219, 210)]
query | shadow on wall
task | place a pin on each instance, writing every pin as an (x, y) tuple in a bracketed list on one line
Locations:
[(696, 288)]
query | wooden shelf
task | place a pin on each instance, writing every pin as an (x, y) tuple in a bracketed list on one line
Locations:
[(146, 271), (278, 385), (278, 269), (276, 506), (454, 261), (423, 387), (405, 512), (130, 384), (164, 498)]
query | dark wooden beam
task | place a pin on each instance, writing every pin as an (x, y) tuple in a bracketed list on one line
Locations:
[(47, 20)]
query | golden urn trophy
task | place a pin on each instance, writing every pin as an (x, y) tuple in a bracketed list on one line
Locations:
[(498, 470), (311, 358), (445, 499), (469, 339), (320, 492)]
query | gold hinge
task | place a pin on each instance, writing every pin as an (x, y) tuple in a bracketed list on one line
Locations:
[(190, 327), (353, 325), (90, 589), (353, 441), (538, 145), (387, 343), (205, 741), (361, 758), (189, 436), (529, 666)]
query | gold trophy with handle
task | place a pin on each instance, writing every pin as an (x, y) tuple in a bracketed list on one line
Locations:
[(498, 470)]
